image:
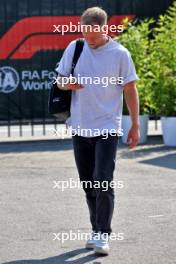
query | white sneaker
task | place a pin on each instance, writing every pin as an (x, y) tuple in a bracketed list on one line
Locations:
[(91, 242), (102, 245)]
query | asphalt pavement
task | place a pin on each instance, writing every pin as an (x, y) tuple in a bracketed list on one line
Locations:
[(33, 210)]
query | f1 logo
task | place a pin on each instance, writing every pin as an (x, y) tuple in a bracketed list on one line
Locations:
[(32, 34)]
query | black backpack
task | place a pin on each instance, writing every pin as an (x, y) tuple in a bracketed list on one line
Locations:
[(60, 100)]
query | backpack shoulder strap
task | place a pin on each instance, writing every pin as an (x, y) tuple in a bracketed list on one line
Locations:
[(78, 49)]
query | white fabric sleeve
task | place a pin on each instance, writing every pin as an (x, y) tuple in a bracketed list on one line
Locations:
[(127, 68), (64, 66)]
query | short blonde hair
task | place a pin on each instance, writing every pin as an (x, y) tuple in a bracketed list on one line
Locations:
[(94, 15)]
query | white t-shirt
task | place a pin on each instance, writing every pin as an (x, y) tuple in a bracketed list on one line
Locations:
[(98, 107)]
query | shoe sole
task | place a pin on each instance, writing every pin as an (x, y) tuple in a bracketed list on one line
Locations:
[(101, 251), (91, 246)]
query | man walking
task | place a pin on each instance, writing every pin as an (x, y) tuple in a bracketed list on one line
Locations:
[(96, 107)]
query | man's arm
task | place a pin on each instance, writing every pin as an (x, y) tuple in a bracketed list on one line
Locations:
[(132, 101), (64, 69)]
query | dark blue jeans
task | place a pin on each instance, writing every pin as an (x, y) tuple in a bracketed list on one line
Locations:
[(95, 160)]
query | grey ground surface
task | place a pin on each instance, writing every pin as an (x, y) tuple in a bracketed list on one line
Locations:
[(31, 210)]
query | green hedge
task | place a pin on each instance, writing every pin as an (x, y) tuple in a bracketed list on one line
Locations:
[(152, 45)]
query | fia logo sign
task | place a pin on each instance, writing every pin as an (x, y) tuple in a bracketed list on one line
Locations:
[(9, 79)]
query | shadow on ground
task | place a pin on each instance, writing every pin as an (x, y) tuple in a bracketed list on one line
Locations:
[(154, 145), (164, 156), (38, 146), (166, 161), (64, 258), (56, 145)]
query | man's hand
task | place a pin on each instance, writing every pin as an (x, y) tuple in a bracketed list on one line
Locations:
[(68, 85), (71, 86), (133, 136)]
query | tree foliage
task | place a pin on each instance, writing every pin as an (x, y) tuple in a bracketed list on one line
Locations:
[(155, 61)]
